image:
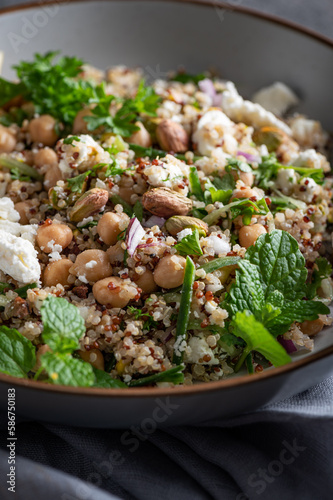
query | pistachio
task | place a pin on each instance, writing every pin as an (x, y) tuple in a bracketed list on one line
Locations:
[(165, 202), (179, 222), (272, 137), (172, 136), (88, 204)]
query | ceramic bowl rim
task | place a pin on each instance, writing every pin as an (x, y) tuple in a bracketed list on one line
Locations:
[(225, 384)]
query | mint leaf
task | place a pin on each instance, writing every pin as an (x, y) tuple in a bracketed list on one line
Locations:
[(322, 270), (258, 338), (63, 325), (280, 264), (65, 370), (104, 380), (227, 183), (190, 244), (220, 195), (270, 283), (17, 354)]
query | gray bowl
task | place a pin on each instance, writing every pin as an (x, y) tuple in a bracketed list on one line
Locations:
[(252, 50)]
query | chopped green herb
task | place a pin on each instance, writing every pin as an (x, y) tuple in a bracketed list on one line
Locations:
[(118, 200), (22, 291), (70, 139), (138, 210), (190, 244), (195, 185), (173, 375), (76, 183), (105, 381)]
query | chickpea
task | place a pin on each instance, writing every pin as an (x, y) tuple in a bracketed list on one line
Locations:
[(126, 194), (57, 272), (169, 272), (113, 292), (110, 225), (41, 349), (7, 140), (80, 126), (58, 234), (141, 137), (52, 176), (23, 208), (312, 328), (116, 253), (94, 357), (42, 129), (93, 264), (45, 156), (146, 281), (248, 235), (246, 177), (246, 192)]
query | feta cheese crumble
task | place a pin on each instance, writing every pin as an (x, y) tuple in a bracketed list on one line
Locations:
[(277, 98), (18, 258)]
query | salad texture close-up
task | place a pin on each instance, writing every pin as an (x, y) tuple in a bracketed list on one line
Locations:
[(157, 233)]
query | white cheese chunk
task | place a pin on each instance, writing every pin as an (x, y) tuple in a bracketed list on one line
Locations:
[(276, 98), (214, 129), (197, 349), (18, 258), (250, 113)]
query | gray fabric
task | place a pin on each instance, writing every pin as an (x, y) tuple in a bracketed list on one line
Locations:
[(283, 451)]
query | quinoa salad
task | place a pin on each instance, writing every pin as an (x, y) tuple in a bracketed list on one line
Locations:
[(161, 234)]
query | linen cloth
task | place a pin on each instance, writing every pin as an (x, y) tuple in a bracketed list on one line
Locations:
[(283, 451)]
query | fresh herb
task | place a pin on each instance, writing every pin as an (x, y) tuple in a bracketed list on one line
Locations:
[(226, 183), (63, 369), (248, 208), (17, 354), (258, 338), (5, 286), (105, 381), (9, 90), (237, 165), (113, 169), (188, 78), (268, 169), (322, 270), (63, 325), (189, 245), (70, 139), (123, 121), (19, 167), (184, 311), (75, 184), (220, 195), (118, 200), (271, 283), (195, 185), (281, 202), (149, 321), (173, 375), (138, 210), (141, 152), (243, 207), (220, 262), (22, 291)]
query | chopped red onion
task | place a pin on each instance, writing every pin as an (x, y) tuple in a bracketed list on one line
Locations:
[(134, 235), (167, 335), (249, 157), (207, 87), (287, 344), (154, 221)]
